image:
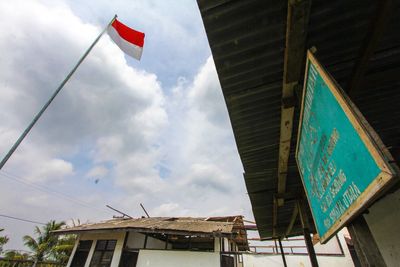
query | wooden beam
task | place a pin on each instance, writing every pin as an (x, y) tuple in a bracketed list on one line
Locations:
[(374, 34), (274, 217), (296, 33), (302, 214), (288, 195), (292, 220), (284, 149), (364, 243)]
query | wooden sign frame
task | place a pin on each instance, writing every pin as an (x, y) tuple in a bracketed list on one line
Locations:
[(368, 136)]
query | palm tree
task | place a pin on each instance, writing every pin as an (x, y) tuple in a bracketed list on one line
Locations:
[(15, 255), (63, 249), (3, 241), (42, 246)]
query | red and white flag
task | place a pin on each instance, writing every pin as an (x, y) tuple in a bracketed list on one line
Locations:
[(129, 40)]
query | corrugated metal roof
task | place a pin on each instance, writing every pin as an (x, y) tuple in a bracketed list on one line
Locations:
[(247, 39), (226, 226), (183, 225)]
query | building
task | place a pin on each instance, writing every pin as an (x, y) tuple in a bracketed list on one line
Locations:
[(159, 241), (186, 241)]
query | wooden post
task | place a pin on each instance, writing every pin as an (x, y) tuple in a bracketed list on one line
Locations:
[(306, 233), (364, 243), (282, 253)]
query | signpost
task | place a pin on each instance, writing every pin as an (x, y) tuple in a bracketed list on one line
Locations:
[(338, 156)]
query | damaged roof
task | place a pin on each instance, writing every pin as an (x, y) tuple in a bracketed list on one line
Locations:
[(227, 226), (214, 226)]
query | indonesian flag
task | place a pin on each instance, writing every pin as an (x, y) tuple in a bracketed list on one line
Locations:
[(129, 40)]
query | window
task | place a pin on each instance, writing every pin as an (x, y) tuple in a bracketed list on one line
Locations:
[(197, 243), (128, 258), (227, 261), (103, 253), (81, 253)]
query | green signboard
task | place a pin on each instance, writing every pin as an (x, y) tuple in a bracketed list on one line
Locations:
[(341, 164)]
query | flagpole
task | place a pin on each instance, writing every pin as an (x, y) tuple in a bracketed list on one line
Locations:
[(39, 114)]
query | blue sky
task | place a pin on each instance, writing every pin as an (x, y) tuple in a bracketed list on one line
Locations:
[(174, 33), (121, 132)]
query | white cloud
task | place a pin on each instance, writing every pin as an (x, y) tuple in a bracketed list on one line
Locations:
[(171, 149), (106, 100), (97, 172), (175, 43), (200, 152), (106, 113), (170, 209)]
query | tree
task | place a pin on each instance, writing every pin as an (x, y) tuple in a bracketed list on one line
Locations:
[(43, 245), (3, 241), (47, 246), (63, 249), (15, 255)]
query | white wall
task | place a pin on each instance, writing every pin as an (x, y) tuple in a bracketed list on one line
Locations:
[(258, 260), (136, 240), (166, 258), (251, 260), (383, 220), (333, 246)]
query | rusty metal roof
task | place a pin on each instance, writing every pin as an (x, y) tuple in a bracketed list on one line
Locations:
[(166, 225), (247, 40), (225, 226)]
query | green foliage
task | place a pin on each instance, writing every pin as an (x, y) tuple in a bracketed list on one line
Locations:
[(3, 241), (47, 246), (63, 249), (15, 255)]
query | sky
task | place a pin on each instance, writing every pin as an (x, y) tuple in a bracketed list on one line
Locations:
[(122, 132)]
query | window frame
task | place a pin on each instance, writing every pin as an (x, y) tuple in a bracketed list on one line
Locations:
[(81, 249), (103, 251)]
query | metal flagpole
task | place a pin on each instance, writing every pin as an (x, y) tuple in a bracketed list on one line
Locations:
[(36, 118)]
